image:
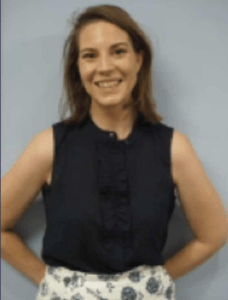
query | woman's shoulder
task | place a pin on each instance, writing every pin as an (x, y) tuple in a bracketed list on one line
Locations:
[(51, 137), (163, 126), (163, 131), (45, 142)]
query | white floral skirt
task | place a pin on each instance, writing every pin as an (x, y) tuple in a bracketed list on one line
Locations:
[(140, 283)]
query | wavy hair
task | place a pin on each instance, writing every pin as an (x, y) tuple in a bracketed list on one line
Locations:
[(77, 99)]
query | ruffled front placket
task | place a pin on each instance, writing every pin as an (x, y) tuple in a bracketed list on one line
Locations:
[(113, 193)]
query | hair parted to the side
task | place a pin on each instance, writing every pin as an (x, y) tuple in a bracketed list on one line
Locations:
[(77, 99)]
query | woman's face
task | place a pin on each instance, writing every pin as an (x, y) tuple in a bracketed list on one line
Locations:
[(106, 54)]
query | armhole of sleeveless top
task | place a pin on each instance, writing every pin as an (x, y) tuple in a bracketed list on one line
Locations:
[(167, 133), (171, 132), (58, 135)]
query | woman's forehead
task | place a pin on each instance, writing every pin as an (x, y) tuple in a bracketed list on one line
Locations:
[(102, 32)]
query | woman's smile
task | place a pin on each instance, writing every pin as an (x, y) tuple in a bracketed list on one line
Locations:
[(109, 86)]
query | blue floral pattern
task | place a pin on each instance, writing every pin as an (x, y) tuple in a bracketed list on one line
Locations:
[(141, 283)]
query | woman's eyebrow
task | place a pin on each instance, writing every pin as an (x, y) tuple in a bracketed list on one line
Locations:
[(112, 46)]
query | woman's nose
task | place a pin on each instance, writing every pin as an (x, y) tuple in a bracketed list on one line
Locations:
[(104, 63)]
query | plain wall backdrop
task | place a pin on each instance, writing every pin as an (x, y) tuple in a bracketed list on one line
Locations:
[(190, 40)]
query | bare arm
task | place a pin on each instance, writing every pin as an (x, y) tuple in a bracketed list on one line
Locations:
[(19, 187), (202, 206), (18, 255)]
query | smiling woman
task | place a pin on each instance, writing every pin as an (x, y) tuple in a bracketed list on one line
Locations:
[(116, 74), (108, 175), (106, 44)]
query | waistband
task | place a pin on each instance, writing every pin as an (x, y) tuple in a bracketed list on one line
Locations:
[(61, 273)]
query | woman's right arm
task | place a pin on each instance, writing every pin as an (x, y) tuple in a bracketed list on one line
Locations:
[(19, 187)]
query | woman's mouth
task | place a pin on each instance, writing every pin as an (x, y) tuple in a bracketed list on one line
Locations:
[(108, 85)]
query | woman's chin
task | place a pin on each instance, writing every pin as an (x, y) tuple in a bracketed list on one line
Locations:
[(109, 102)]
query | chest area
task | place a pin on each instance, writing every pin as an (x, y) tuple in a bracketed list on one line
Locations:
[(85, 176)]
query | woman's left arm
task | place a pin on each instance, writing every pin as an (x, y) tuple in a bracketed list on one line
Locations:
[(202, 207)]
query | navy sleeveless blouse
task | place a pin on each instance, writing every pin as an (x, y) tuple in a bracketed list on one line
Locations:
[(110, 201)]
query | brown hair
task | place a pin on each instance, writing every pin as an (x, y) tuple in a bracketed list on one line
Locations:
[(78, 100)]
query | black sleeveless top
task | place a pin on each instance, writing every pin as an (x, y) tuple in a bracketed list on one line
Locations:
[(110, 201)]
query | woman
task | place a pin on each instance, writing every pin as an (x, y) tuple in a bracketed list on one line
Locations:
[(107, 174)]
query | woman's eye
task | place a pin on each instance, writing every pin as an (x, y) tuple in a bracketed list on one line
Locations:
[(88, 54), (120, 50)]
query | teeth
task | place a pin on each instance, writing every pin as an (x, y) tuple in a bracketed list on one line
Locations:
[(108, 84)]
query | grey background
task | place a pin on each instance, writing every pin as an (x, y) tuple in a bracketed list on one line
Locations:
[(190, 39)]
